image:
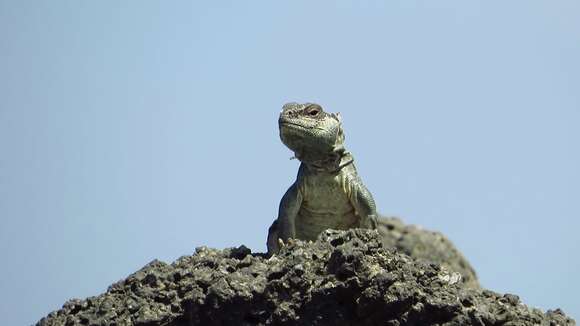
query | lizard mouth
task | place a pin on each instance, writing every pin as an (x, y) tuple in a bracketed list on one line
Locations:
[(293, 125)]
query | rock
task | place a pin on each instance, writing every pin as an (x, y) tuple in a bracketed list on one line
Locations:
[(344, 278), (427, 246)]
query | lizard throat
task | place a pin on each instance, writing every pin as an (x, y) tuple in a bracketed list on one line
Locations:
[(330, 165)]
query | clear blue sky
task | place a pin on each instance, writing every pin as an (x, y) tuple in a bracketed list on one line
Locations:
[(137, 130)]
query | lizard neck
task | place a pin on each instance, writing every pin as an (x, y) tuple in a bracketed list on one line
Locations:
[(331, 164)]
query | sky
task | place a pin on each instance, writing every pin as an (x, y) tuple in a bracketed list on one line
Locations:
[(140, 130)]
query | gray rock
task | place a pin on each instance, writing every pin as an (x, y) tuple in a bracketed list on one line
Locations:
[(344, 278), (427, 246)]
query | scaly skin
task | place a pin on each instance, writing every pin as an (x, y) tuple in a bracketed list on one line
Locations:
[(327, 193)]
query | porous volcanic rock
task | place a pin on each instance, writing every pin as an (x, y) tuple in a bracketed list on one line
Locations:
[(427, 246), (344, 278)]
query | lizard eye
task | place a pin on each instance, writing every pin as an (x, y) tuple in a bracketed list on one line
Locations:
[(313, 111)]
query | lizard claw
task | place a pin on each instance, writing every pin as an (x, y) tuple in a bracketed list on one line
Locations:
[(281, 243)]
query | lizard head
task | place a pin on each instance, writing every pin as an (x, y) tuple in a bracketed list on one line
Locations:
[(315, 136)]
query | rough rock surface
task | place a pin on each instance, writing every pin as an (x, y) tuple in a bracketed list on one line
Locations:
[(427, 246), (344, 278)]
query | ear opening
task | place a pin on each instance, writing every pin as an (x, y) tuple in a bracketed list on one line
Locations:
[(339, 143), (337, 116)]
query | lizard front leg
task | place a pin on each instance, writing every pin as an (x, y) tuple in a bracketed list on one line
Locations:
[(364, 204), (284, 227)]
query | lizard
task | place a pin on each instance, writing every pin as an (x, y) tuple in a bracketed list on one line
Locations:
[(328, 192)]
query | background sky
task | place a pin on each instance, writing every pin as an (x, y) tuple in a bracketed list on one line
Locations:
[(137, 130)]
